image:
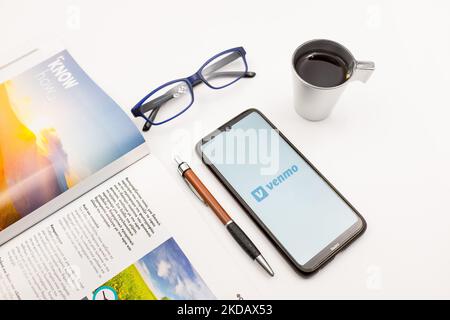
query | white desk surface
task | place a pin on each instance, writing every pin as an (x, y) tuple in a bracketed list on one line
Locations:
[(386, 146)]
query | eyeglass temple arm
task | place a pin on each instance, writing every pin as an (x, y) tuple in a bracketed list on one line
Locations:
[(157, 102), (221, 63), (231, 74), (152, 118)]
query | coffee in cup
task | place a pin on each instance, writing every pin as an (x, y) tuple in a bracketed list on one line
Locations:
[(322, 69)]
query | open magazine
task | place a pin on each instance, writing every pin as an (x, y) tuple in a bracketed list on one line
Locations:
[(85, 211)]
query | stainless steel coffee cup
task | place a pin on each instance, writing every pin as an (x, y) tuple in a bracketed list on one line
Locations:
[(314, 102)]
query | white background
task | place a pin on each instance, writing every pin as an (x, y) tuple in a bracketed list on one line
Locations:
[(385, 147)]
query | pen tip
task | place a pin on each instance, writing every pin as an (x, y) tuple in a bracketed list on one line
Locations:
[(263, 263)]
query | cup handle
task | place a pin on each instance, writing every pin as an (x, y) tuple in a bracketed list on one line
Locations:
[(363, 70)]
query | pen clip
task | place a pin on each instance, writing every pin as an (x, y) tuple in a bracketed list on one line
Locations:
[(194, 191)]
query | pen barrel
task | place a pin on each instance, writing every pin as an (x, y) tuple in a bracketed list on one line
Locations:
[(243, 240), (204, 193)]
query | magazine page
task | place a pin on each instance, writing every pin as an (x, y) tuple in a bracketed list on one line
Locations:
[(117, 242), (57, 128)]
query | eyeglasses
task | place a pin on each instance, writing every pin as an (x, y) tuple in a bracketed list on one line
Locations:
[(173, 98)]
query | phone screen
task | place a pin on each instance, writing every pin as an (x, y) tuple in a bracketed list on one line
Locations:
[(290, 198)]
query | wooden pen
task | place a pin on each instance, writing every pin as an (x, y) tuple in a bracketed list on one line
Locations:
[(204, 195)]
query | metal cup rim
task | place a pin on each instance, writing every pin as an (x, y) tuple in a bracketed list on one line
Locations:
[(312, 85)]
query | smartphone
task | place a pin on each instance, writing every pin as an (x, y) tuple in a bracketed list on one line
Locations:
[(299, 210)]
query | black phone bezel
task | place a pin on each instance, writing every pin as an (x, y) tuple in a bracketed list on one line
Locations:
[(325, 255)]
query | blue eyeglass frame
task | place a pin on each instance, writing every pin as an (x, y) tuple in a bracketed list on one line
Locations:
[(191, 82)]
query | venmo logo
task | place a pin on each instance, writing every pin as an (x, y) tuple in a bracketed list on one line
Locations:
[(262, 192), (259, 193)]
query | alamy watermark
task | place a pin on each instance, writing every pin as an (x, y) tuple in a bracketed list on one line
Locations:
[(73, 17), (245, 147)]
